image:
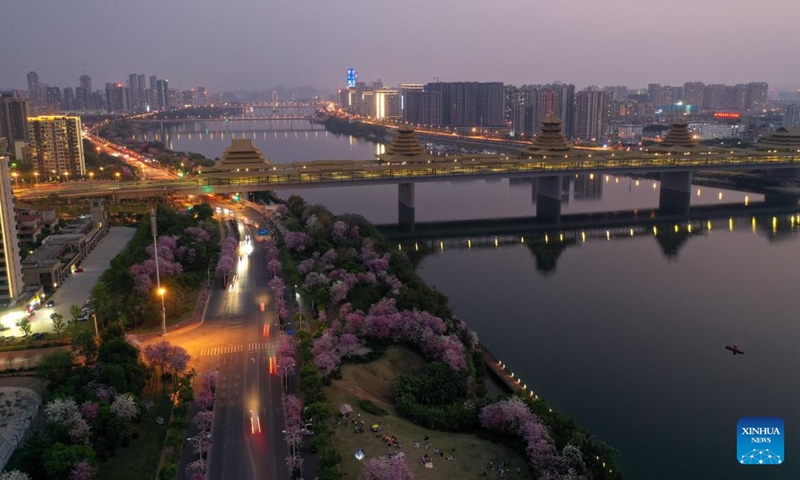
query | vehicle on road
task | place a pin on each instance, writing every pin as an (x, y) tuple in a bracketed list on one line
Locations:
[(255, 422), (50, 304)]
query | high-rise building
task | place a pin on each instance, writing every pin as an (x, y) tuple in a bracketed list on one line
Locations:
[(470, 104), (162, 93), (141, 94), (618, 93), (53, 98), (133, 91), (423, 108), (57, 145), (34, 90), (11, 285), (714, 97), (791, 118), (592, 112), (735, 97), (116, 100), (83, 99), (68, 99), (757, 95), (153, 97), (558, 99), (693, 93), (387, 103), (13, 118), (85, 82)]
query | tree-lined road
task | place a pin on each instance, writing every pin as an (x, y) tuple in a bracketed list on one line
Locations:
[(238, 341)]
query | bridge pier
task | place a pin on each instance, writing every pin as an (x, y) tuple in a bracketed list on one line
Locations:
[(405, 206), (781, 199), (676, 192), (788, 173), (548, 198)]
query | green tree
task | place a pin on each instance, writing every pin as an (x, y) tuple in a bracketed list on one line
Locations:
[(85, 345), (55, 366), (75, 311), (60, 458), (58, 322), (25, 326), (203, 211)]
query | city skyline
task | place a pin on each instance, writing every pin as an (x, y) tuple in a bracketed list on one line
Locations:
[(255, 46)]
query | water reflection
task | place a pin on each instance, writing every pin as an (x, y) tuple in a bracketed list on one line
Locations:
[(548, 242)]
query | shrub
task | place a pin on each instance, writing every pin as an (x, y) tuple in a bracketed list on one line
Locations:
[(370, 407)]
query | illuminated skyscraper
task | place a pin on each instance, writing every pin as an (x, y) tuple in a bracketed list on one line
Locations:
[(387, 103), (693, 93), (11, 267), (57, 145)]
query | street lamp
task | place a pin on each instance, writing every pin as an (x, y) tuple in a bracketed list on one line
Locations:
[(66, 176), (198, 441), (16, 176), (91, 176), (117, 175), (161, 292), (285, 369)]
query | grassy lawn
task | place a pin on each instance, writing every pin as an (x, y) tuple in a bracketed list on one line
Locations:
[(373, 381), (139, 460)]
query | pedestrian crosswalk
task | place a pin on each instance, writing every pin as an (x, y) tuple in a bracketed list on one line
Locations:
[(242, 347)]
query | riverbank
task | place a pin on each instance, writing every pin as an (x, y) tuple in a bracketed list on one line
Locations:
[(368, 295)]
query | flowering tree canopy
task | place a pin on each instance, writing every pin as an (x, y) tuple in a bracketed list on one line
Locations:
[(124, 406), (14, 475), (82, 470), (386, 468)]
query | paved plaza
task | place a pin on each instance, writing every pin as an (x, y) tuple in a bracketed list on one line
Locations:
[(75, 289), (18, 409)]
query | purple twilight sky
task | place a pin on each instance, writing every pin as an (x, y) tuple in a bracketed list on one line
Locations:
[(254, 44)]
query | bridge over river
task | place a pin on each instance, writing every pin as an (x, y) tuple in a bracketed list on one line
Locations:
[(243, 168)]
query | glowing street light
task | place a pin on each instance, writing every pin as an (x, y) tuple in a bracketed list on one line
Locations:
[(117, 175), (16, 178)]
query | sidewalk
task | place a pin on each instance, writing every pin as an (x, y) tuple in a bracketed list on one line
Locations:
[(195, 320)]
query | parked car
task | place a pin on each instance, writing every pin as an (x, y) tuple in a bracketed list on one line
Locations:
[(79, 270)]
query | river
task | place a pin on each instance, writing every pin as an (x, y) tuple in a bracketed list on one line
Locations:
[(623, 333)]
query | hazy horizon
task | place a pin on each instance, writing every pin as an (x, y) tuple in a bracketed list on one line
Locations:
[(256, 45)]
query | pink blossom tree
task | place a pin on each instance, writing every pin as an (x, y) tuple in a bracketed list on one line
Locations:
[(326, 362), (274, 267), (196, 469), (89, 410), (203, 420), (82, 470), (348, 343), (294, 462), (205, 399), (305, 266), (386, 468), (298, 241), (293, 408), (339, 231), (198, 233)]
